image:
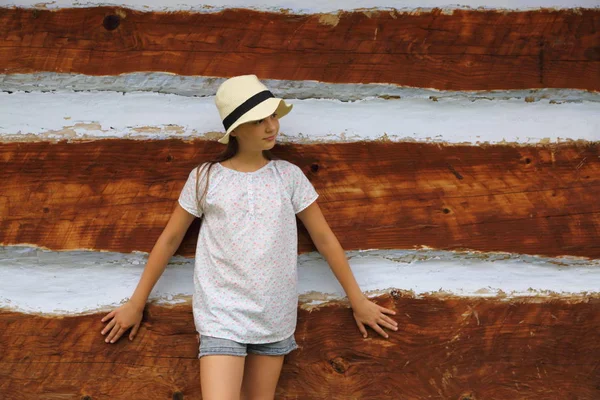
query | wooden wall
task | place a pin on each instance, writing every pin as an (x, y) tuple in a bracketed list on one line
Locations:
[(74, 177), (462, 50)]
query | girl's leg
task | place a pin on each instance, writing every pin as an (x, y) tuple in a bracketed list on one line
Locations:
[(261, 374), (221, 377)]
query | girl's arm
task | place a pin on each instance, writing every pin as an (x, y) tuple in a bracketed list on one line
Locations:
[(130, 314), (365, 311)]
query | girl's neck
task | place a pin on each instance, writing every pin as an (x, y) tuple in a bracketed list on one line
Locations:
[(247, 162)]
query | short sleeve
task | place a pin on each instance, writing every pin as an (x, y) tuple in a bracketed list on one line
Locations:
[(187, 197), (303, 192)]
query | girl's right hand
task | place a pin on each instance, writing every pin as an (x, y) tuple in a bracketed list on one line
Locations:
[(123, 318)]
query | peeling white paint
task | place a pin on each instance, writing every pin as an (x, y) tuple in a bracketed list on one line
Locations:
[(200, 86), (71, 115), (307, 6), (39, 281)]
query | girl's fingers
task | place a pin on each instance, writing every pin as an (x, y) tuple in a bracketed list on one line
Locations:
[(386, 324), (109, 315), (361, 328), (109, 326), (387, 310), (134, 331), (118, 335), (378, 329), (113, 333), (389, 320)]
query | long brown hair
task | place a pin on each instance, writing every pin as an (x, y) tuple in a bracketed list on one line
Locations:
[(229, 152)]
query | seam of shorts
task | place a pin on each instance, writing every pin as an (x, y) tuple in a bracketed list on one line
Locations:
[(213, 352), (274, 352)]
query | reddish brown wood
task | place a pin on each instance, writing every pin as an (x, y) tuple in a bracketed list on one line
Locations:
[(453, 348), (464, 50), (118, 194)]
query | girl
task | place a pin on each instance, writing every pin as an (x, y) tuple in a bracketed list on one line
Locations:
[(245, 298)]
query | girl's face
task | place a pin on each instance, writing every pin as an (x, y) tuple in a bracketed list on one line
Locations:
[(257, 135)]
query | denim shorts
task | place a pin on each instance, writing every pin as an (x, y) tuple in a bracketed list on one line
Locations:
[(216, 346)]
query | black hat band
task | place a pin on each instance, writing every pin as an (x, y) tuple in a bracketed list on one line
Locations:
[(245, 107)]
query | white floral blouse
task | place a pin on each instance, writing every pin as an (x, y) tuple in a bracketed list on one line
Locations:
[(245, 274)]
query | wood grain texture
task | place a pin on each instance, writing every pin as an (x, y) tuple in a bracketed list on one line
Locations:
[(452, 348), (464, 50), (118, 194)]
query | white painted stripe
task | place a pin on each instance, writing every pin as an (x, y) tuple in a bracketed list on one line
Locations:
[(200, 86), (39, 281), (308, 6), (72, 115)]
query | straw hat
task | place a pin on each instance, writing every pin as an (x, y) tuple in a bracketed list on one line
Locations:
[(243, 99)]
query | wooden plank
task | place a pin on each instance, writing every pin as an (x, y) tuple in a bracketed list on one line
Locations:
[(462, 50), (451, 348), (118, 194)]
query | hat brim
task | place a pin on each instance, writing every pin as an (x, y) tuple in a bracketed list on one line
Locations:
[(261, 111)]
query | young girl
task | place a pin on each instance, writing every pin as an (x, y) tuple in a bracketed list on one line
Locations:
[(245, 298)]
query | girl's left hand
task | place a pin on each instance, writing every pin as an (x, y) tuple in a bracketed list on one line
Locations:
[(368, 313)]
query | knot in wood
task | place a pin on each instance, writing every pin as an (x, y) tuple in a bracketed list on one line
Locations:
[(177, 396), (339, 365), (111, 22)]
